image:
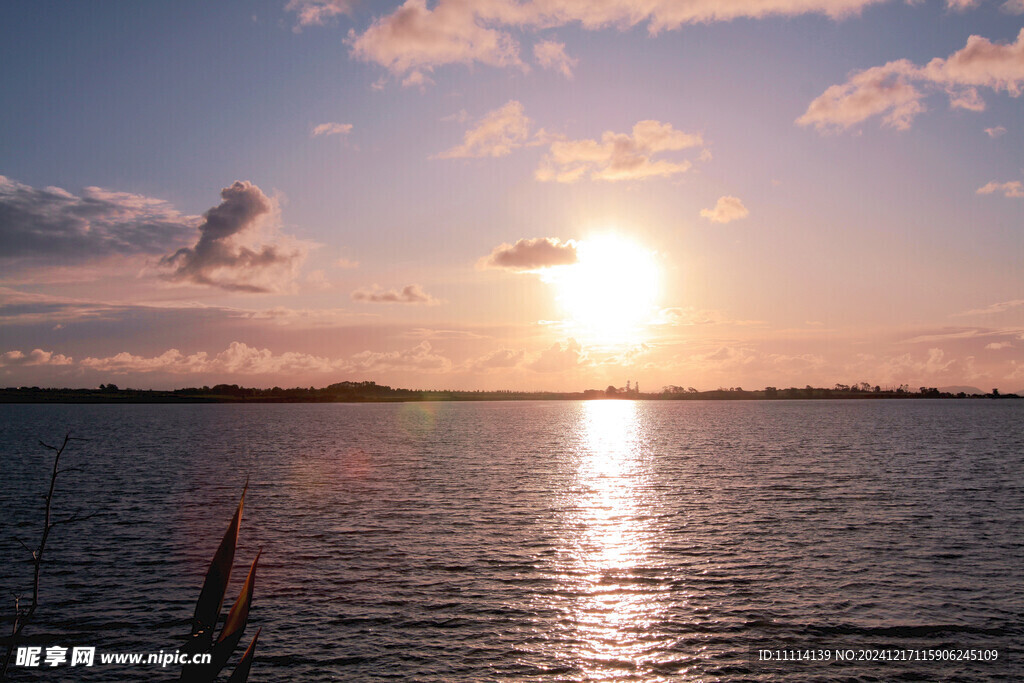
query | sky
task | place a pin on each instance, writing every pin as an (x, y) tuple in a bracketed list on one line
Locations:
[(512, 194)]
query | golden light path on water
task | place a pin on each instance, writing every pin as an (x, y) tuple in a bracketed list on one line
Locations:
[(621, 590)]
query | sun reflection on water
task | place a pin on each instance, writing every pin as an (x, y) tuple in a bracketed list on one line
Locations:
[(619, 600)]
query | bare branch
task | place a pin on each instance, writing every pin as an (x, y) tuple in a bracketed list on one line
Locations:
[(74, 518), (22, 616)]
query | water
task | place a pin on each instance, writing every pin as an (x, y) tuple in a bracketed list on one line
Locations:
[(544, 541)]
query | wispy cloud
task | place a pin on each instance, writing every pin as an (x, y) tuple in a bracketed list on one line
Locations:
[(551, 55), (222, 258), (331, 128), (317, 12), (997, 307), (726, 209), (410, 294), (618, 156), (421, 358), (995, 131), (502, 359), (898, 88), (531, 254), (495, 135)]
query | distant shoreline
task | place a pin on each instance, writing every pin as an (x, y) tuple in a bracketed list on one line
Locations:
[(369, 392)]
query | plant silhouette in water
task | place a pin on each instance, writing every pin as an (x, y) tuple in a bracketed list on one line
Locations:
[(22, 614), (211, 599)]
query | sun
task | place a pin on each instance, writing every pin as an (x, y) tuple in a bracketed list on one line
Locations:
[(611, 291)]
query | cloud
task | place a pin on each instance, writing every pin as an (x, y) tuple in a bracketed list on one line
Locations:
[(868, 93), (421, 357), (1013, 6), (239, 358), (414, 37), (997, 307), (1013, 189), (688, 316), (331, 128), (893, 89), (410, 294), (497, 134), (618, 156), (35, 357), (317, 12), (416, 80), (53, 223), (982, 63), (500, 359), (222, 258), (551, 55), (531, 254), (995, 131), (995, 346), (557, 358), (726, 209)]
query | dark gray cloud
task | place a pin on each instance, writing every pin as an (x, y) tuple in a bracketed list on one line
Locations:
[(55, 224), (527, 254), (220, 259)]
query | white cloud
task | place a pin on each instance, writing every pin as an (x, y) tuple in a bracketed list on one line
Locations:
[(531, 254), (892, 89), (551, 55), (1012, 189), (241, 359), (995, 346), (410, 294), (995, 131), (238, 358), (34, 357), (421, 357), (726, 209), (331, 128), (618, 156), (415, 37), (497, 134), (557, 358), (868, 93)]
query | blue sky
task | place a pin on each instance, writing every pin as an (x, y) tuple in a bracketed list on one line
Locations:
[(878, 239)]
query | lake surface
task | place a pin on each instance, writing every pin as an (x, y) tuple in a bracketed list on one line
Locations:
[(538, 541)]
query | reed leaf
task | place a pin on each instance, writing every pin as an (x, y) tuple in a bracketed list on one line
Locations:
[(211, 597), (241, 672)]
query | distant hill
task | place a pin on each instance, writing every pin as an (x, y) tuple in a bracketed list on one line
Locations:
[(966, 390)]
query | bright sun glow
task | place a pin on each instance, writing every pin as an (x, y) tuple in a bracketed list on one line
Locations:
[(611, 291)]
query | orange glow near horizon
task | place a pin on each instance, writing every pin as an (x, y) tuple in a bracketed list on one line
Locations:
[(611, 292)]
